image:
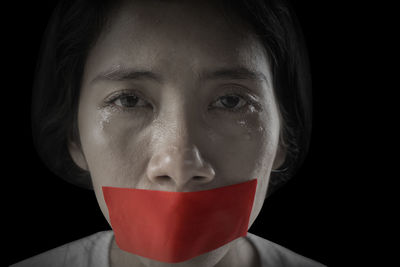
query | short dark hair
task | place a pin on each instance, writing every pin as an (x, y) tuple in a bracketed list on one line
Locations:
[(75, 26)]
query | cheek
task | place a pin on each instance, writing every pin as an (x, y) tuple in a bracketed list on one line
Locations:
[(247, 142), (112, 148), (250, 144)]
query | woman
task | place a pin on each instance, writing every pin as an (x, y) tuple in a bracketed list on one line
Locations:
[(183, 111)]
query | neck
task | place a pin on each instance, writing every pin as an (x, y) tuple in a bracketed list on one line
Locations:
[(237, 253)]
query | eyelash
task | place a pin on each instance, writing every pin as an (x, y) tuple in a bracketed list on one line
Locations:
[(110, 101), (247, 103)]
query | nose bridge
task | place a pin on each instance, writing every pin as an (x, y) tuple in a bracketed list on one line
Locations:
[(177, 159), (176, 127)]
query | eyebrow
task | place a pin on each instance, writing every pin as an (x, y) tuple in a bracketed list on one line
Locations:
[(236, 73), (123, 74)]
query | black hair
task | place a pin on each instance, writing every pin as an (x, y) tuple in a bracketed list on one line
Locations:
[(75, 26)]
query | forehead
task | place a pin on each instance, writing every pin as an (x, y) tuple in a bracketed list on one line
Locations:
[(164, 34)]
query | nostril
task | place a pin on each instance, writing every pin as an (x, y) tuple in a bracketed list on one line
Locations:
[(163, 178), (201, 179)]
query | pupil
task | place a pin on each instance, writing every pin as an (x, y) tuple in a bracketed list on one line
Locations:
[(230, 101), (129, 101)]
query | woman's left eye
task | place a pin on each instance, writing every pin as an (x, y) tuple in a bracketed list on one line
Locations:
[(231, 102)]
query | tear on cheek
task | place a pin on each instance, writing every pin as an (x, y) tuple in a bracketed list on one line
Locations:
[(105, 117), (250, 127)]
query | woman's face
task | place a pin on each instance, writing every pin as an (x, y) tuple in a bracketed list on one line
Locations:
[(174, 98)]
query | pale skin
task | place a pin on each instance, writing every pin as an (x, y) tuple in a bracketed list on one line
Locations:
[(153, 112)]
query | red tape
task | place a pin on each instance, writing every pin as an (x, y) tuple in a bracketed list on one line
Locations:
[(177, 226)]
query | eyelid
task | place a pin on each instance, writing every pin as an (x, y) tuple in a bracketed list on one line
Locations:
[(109, 100), (247, 102), (115, 95), (240, 109), (239, 90)]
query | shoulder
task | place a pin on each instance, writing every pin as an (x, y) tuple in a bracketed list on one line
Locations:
[(272, 254), (89, 251)]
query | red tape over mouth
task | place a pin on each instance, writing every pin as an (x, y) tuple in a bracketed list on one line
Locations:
[(177, 226)]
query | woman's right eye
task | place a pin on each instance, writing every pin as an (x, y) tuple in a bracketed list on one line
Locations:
[(127, 101)]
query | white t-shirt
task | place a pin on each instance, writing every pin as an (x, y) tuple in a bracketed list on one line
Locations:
[(93, 251)]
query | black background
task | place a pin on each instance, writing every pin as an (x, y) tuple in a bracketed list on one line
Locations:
[(312, 215)]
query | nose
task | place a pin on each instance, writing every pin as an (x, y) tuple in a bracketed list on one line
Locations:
[(179, 169)]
